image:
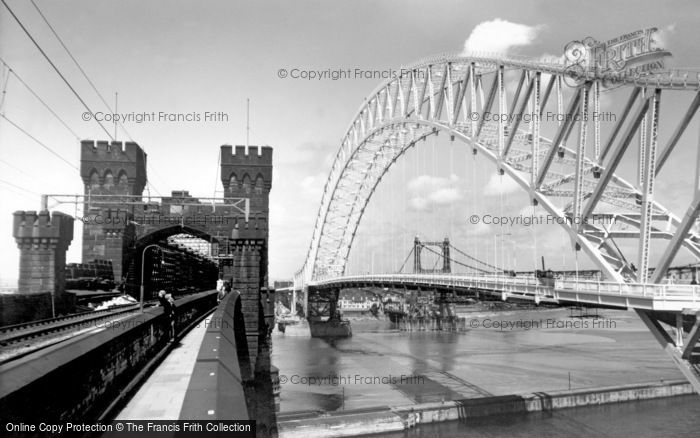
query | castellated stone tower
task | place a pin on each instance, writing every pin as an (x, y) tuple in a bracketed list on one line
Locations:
[(43, 239), (113, 169), (248, 175)]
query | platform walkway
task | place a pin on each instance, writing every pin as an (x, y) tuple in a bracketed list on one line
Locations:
[(161, 397)]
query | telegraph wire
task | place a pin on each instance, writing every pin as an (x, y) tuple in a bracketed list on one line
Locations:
[(54, 67), (46, 105)]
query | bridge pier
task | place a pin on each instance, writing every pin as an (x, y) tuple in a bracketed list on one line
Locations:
[(248, 274), (324, 304)]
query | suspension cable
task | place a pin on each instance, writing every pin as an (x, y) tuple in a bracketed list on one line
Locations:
[(473, 258), (456, 261)]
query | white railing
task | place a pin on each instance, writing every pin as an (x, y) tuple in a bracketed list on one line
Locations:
[(530, 285), (632, 289)]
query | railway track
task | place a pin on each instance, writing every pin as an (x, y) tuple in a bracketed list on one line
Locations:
[(20, 332), (22, 339)]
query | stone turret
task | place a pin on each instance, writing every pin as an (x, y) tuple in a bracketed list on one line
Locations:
[(43, 239), (248, 174)]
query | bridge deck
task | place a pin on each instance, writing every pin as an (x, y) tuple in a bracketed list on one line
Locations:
[(161, 397), (668, 297)]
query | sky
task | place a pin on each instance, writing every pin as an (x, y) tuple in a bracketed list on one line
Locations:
[(192, 57)]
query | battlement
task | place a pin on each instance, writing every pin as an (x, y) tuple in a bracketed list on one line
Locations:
[(256, 156), (258, 161), (115, 157), (112, 151), (42, 225)]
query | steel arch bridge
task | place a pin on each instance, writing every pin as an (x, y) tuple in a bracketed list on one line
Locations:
[(459, 96)]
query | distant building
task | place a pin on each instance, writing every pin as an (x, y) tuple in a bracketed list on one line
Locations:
[(283, 284), (358, 300)]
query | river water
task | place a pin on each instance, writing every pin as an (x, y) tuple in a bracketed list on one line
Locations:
[(501, 353)]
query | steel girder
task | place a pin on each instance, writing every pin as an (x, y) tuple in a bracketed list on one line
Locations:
[(446, 94)]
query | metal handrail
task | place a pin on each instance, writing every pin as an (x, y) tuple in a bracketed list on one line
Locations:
[(583, 286)]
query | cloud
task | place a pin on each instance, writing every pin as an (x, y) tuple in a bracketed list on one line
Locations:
[(479, 229), (445, 196), (311, 187), (423, 183), (432, 191), (308, 155), (664, 35), (500, 184), (419, 203), (500, 36)]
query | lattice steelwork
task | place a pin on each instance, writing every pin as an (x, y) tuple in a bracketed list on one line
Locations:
[(446, 94)]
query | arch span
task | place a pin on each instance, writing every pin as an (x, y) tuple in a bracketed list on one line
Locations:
[(455, 95), (176, 268), (160, 234)]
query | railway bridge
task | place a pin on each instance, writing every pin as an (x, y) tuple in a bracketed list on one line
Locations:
[(180, 243)]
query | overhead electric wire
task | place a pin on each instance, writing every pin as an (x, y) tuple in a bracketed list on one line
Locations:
[(94, 87), (39, 142), (46, 105), (54, 67), (16, 192), (18, 187), (65, 80), (7, 163), (4, 89), (87, 78)]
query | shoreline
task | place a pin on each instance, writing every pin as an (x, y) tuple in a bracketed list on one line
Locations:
[(393, 419)]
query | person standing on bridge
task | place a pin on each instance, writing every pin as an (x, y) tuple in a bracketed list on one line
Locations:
[(168, 303), (225, 289)]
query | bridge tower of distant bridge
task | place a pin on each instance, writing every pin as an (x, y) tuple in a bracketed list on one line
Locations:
[(418, 246)]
